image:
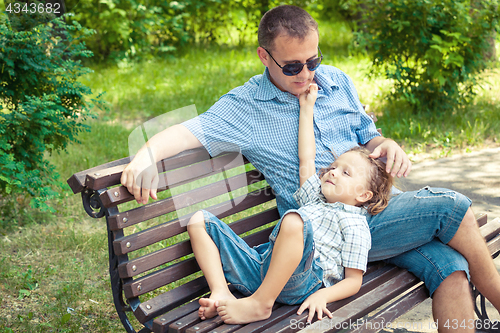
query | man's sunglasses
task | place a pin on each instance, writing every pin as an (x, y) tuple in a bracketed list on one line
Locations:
[(294, 69)]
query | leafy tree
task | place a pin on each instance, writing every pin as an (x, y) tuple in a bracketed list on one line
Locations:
[(144, 28), (433, 50), (42, 105)]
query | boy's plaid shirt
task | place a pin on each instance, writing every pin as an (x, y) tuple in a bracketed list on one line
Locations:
[(341, 233)]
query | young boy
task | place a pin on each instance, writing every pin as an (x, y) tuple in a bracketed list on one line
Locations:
[(325, 242)]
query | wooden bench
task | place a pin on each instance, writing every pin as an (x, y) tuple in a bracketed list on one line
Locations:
[(155, 279)]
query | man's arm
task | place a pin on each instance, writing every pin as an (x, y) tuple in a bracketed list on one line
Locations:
[(397, 160), (141, 176)]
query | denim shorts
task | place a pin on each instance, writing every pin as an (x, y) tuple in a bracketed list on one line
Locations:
[(412, 232), (245, 267)]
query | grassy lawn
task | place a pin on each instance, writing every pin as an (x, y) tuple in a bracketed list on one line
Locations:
[(53, 268)]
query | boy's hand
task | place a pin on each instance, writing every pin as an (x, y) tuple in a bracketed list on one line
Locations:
[(308, 98), (315, 303)]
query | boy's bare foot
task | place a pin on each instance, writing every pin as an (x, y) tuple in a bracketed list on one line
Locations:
[(207, 305), (243, 310)]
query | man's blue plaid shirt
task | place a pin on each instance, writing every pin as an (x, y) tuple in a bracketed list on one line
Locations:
[(261, 122)]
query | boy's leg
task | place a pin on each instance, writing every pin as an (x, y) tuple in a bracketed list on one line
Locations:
[(286, 256), (208, 257)]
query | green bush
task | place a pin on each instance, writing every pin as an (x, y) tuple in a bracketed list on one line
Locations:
[(42, 106), (139, 29), (134, 29), (433, 50), (130, 28)]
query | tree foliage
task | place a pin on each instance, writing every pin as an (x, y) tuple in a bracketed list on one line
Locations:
[(42, 104), (432, 50), (140, 28)]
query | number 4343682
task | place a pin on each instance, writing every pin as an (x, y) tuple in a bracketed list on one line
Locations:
[(32, 8)]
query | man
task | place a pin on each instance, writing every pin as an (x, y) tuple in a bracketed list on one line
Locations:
[(420, 231)]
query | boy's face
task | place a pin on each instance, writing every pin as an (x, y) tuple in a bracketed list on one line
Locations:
[(346, 181), (289, 50)]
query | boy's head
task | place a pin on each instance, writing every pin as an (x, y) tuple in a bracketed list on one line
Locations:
[(358, 180), (288, 35)]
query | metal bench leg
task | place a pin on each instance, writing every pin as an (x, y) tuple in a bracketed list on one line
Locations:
[(117, 284), (483, 323)]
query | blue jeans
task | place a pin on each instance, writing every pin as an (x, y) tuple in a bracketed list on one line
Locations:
[(412, 232), (246, 267)]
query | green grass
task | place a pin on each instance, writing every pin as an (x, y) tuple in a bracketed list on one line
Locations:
[(55, 263)]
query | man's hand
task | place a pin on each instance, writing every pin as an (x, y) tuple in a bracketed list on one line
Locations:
[(398, 163), (140, 178), (315, 303)]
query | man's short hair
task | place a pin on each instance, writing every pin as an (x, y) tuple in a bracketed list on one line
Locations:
[(290, 20)]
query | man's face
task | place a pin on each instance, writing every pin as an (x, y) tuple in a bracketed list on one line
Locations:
[(289, 50)]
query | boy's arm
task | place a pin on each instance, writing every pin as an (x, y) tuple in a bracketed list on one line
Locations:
[(307, 144), (141, 176), (347, 287)]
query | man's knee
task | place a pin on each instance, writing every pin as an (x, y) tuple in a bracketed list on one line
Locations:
[(469, 220), (454, 285), (467, 232)]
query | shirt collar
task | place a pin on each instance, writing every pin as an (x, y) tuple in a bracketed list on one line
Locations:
[(324, 80), (267, 90), (343, 206)]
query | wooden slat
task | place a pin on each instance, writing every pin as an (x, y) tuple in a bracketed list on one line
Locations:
[(216, 322), (276, 317), (182, 325), (176, 251), (180, 201), (170, 300), (490, 229), (190, 321), (481, 218), (151, 260), (161, 324), (109, 175), (176, 316), (104, 178), (175, 178), (494, 245), (77, 181), (358, 306), (160, 278), (395, 310), (166, 230)]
